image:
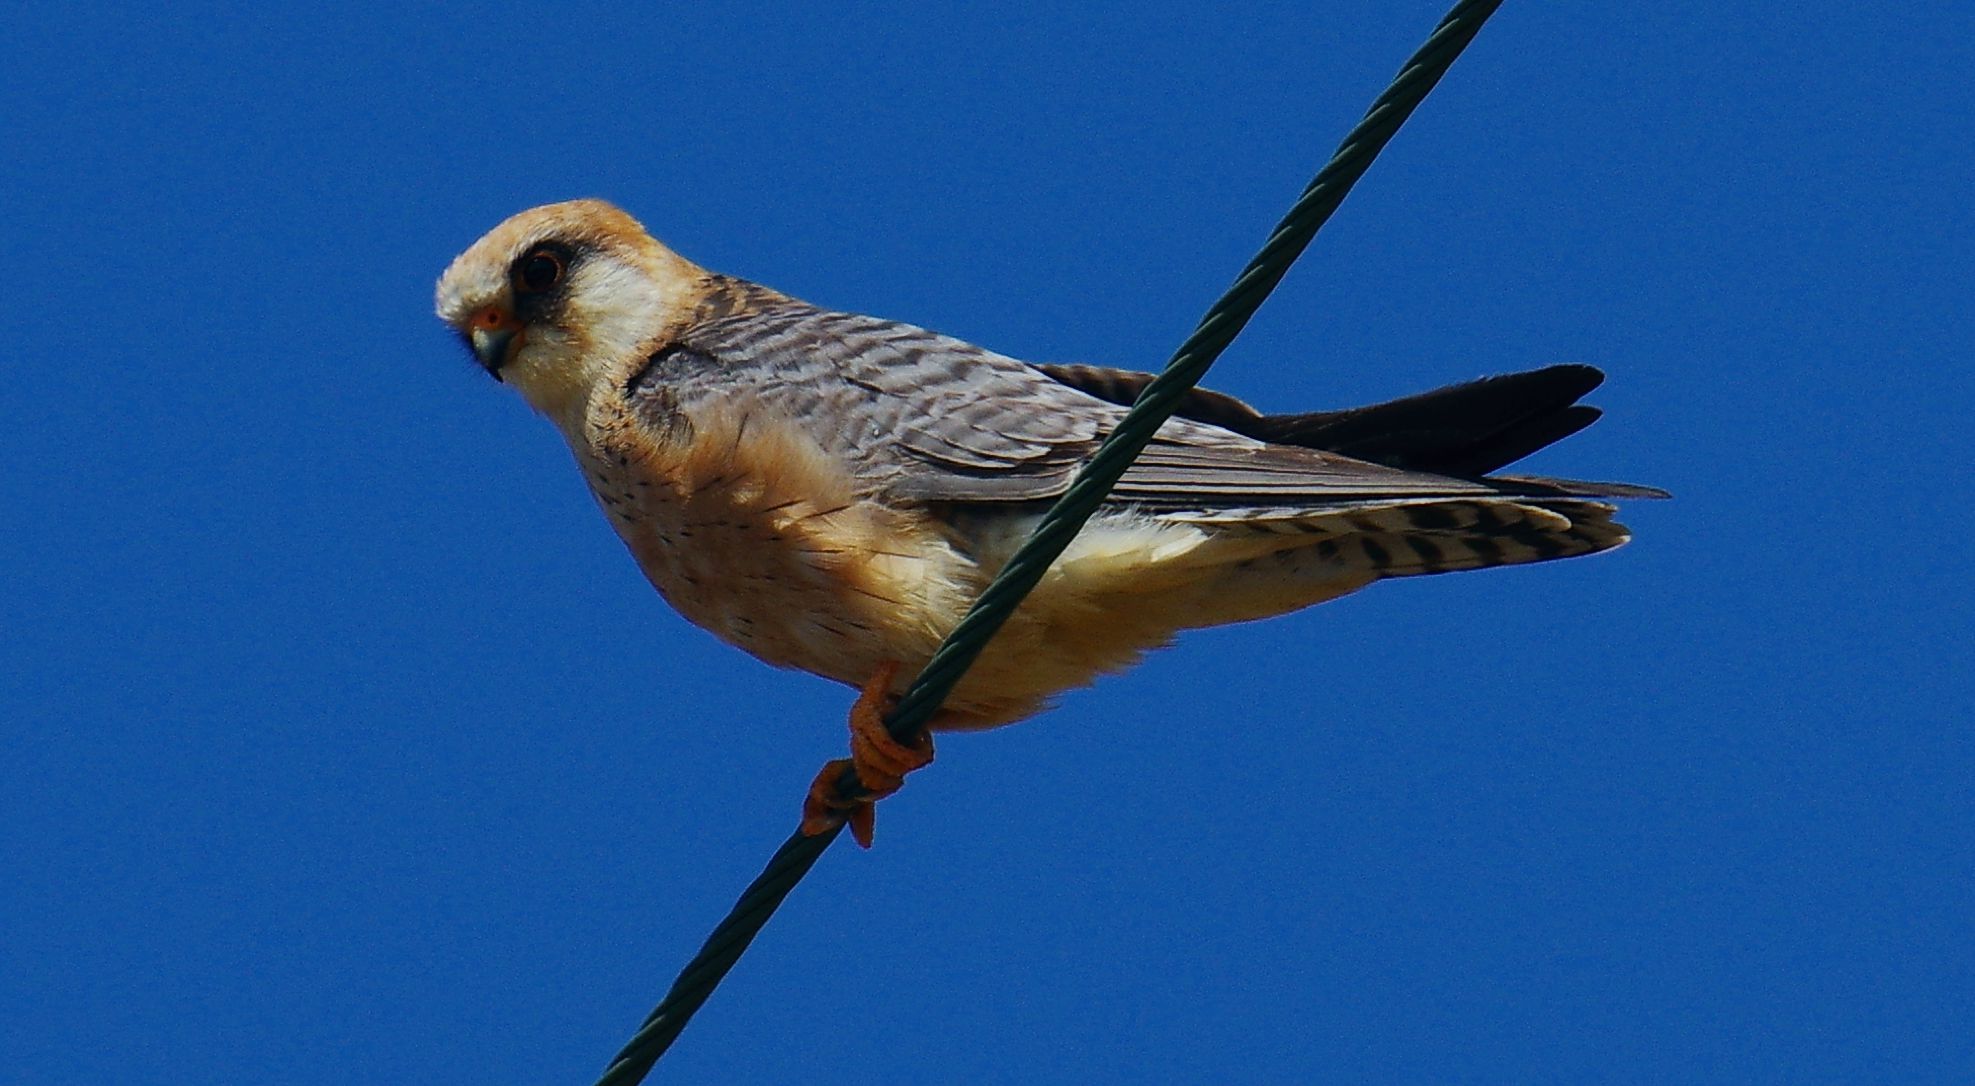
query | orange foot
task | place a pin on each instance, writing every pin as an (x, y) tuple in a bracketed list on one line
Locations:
[(881, 763)]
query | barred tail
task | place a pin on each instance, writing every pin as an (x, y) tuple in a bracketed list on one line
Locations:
[(1410, 538), (1585, 528)]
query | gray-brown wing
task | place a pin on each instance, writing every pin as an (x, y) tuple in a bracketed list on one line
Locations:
[(902, 406), (925, 417)]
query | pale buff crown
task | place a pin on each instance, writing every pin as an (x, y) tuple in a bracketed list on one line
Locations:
[(625, 295)]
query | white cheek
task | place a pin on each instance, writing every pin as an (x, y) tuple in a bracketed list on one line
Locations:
[(618, 309), (611, 318)]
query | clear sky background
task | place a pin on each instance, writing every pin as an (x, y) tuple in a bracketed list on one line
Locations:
[(344, 743)]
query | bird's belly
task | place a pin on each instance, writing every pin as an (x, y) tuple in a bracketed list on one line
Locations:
[(788, 588), (839, 591), (759, 549), (752, 536)]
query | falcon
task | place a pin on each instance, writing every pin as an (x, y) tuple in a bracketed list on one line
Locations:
[(830, 491)]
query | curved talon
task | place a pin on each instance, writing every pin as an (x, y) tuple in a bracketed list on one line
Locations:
[(880, 761)]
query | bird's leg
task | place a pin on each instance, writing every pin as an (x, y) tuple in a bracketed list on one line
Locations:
[(881, 763)]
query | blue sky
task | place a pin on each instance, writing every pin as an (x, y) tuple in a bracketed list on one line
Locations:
[(346, 744)]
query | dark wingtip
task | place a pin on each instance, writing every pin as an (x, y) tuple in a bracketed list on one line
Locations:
[(1520, 440), (1580, 376), (1544, 485)]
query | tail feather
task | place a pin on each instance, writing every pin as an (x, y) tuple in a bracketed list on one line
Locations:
[(1431, 515), (1409, 539), (1590, 529)]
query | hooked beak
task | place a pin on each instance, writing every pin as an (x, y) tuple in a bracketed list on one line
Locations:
[(491, 334)]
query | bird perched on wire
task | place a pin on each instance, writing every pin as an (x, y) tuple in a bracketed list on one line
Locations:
[(830, 491)]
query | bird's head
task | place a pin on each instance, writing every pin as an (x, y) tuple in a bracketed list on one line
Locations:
[(561, 296)]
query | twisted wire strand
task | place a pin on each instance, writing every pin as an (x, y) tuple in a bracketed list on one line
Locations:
[(1224, 320)]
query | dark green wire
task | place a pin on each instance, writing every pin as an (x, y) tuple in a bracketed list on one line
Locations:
[(1065, 518)]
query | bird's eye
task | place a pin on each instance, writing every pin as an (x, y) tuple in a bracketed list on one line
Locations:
[(539, 271)]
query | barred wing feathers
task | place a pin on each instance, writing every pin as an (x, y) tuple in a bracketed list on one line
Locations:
[(921, 417)]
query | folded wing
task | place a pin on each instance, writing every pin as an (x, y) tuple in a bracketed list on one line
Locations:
[(924, 417)]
